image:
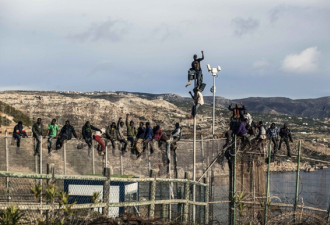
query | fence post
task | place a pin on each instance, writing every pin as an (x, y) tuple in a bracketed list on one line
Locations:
[(152, 194), (267, 187), (329, 213), (121, 160), (234, 182), (93, 158), (186, 196), (64, 156), (106, 190), (297, 181), (40, 161), (7, 166), (50, 170), (106, 154), (206, 197)]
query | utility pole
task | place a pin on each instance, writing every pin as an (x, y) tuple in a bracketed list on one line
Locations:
[(214, 72)]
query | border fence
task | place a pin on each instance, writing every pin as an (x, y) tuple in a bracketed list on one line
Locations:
[(169, 199), (246, 193)]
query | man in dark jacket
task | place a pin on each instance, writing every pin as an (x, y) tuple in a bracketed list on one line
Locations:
[(65, 134), (37, 129), (18, 133), (148, 137), (285, 135), (196, 65), (87, 133), (139, 139)]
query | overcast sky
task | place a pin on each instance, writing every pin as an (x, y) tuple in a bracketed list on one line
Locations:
[(265, 48)]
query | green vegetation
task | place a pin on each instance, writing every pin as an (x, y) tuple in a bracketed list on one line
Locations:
[(16, 114), (11, 216)]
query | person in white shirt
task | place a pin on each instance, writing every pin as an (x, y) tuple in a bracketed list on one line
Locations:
[(247, 116), (198, 100)]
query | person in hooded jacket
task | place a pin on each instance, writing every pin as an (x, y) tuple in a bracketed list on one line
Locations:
[(285, 135), (139, 139), (37, 130), (120, 133), (19, 133), (111, 134), (131, 131), (87, 133), (65, 134)]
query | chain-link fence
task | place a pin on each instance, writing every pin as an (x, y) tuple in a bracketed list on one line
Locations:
[(80, 198)]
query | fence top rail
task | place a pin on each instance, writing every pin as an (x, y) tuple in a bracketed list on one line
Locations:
[(94, 178), (181, 140)]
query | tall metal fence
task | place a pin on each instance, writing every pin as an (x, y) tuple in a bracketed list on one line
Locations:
[(167, 199)]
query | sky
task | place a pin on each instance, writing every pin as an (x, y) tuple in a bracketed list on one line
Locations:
[(265, 48)]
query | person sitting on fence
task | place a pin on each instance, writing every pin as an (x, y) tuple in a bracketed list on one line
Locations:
[(111, 134), (101, 146), (87, 133), (131, 131), (139, 139), (272, 134), (247, 116), (237, 111), (52, 134), (65, 134), (198, 101), (242, 132), (176, 135), (148, 138), (261, 137), (285, 135), (120, 133), (19, 133), (37, 129)]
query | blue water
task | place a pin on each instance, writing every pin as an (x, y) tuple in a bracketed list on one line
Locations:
[(314, 188)]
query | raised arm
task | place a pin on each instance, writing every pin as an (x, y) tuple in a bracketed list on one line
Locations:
[(202, 55)]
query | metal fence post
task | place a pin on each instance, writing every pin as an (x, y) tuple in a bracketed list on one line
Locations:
[(186, 196), (234, 182), (297, 181), (93, 158), (106, 190), (40, 160), (64, 156), (106, 154), (267, 187), (206, 197), (7, 165), (152, 194)]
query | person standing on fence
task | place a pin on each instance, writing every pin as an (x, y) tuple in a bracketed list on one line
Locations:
[(120, 133), (111, 134), (148, 138), (52, 134), (131, 131), (285, 135), (19, 133), (139, 139), (272, 134), (87, 133), (65, 134), (37, 129)]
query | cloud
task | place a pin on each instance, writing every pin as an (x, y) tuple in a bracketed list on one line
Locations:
[(302, 63), (112, 30), (261, 66), (274, 13), (244, 26)]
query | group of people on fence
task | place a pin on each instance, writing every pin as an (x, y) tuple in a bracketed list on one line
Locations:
[(243, 126), (139, 138)]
